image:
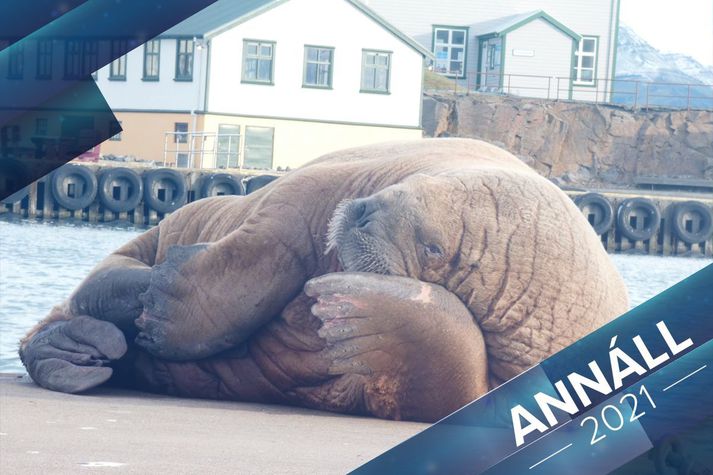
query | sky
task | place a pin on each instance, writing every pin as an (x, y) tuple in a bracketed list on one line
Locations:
[(680, 26)]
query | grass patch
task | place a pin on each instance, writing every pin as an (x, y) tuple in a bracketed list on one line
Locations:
[(435, 81)]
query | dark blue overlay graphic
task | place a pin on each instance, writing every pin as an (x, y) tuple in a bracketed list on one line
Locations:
[(50, 109), (650, 410)]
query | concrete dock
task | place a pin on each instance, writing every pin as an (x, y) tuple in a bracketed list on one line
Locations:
[(118, 431)]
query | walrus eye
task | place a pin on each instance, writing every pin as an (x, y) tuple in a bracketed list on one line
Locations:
[(434, 250)]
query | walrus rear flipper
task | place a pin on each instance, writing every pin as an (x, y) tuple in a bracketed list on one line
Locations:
[(156, 299), (76, 347), (72, 356)]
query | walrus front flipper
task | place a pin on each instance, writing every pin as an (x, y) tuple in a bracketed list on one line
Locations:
[(71, 356), (407, 349), (204, 299)]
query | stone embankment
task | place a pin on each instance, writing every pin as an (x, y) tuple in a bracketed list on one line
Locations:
[(591, 145)]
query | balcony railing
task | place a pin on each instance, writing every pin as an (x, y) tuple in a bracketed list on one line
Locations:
[(202, 150), (625, 92)]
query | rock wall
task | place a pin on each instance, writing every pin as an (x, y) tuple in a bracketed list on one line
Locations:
[(577, 142)]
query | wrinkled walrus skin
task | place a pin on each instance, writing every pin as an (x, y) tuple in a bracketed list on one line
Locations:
[(400, 280)]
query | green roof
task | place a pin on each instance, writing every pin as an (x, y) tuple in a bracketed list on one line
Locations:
[(503, 25), (225, 14)]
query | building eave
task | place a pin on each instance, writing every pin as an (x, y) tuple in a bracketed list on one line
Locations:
[(540, 14), (237, 21), (392, 29), (358, 5)]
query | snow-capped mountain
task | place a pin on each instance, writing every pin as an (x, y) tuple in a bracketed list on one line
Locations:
[(637, 60)]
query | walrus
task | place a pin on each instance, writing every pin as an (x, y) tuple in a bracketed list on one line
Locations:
[(399, 280)]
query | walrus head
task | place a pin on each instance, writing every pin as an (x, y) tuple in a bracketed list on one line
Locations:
[(509, 244), (409, 229)]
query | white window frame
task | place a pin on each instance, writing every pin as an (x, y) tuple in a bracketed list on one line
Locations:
[(449, 47), (578, 57)]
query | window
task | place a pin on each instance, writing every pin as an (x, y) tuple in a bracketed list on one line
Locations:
[(16, 62), (41, 127), (258, 61), (318, 66), (9, 134), (449, 47), (258, 147), (152, 56), (586, 60), (76, 125), (227, 146), (117, 68), (375, 71), (181, 129), (44, 59), (112, 127), (181, 160), (494, 53), (184, 60), (73, 59), (91, 58), (80, 59)]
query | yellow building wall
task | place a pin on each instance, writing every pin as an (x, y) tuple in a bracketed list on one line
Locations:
[(294, 142), (144, 134), (297, 142)]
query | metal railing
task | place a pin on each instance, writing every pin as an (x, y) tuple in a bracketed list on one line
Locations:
[(625, 92), (202, 150)]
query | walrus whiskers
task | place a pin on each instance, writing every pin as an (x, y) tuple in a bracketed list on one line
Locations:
[(335, 227)]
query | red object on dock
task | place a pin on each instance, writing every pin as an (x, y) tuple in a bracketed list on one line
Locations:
[(91, 155)]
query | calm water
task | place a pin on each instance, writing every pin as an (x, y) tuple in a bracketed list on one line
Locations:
[(41, 263)]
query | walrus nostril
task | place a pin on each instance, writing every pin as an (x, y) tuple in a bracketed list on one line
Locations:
[(362, 213), (359, 210), (362, 224)]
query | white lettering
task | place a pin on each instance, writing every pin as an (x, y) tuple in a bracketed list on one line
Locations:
[(600, 384), (619, 374), (675, 348), (646, 354), (518, 412), (567, 404)]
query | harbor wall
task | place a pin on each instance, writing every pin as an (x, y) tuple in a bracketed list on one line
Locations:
[(628, 221)]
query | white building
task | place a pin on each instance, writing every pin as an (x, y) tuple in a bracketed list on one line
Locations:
[(562, 49), (280, 81)]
